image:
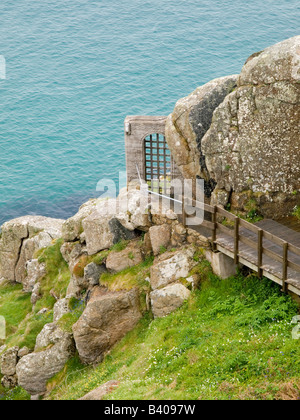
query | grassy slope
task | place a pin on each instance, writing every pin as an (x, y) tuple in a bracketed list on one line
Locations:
[(232, 340), (23, 322)]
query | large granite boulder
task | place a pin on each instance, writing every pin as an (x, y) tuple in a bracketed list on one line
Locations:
[(128, 257), (106, 319), (102, 223), (72, 228), (190, 120), (167, 300), (53, 349), (20, 239), (92, 273), (252, 149), (160, 238), (172, 266), (61, 308), (104, 232), (35, 271), (8, 362)]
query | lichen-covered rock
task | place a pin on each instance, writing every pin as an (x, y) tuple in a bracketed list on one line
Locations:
[(166, 300), (53, 349), (253, 142), (190, 120), (36, 293), (23, 352), (102, 223), (71, 251), (92, 273), (106, 319), (128, 257), (35, 271), (8, 361), (103, 232), (99, 393), (160, 237), (61, 308), (20, 239), (72, 228), (9, 382), (170, 267)]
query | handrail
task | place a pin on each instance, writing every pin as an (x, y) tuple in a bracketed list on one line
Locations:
[(238, 237)]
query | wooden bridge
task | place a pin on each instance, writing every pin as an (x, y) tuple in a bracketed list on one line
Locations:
[(267, 247)]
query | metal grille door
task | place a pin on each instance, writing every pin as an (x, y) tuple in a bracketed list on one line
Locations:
[(158, 163)]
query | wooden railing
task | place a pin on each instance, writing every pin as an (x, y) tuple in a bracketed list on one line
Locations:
[(236, 228)]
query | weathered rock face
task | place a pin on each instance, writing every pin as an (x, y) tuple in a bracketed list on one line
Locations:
[(20, 239), (53, 349), (190, 120), (106, 319), (103, 223), (103, 233), (9, 361), (253, 142), (99, 393), (92, 273), (61, 308), (128, 257), (35, 271), (171, 267), (35, 294), (72, 228), (8, 364), (166, 300), (160, 237)]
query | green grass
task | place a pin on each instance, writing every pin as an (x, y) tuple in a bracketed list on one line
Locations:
[(14, 306), (296, 212), (16, 394), (232, 340), (119, 246), (58, 275), (67, 321), (23, 322), (128, 278)]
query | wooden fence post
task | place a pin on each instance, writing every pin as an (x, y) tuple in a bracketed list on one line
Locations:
[(259, 252), (284, 266), (236, 239), (214, 233), (183, 212)]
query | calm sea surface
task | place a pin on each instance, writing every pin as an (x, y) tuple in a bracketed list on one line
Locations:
[(76, 68)]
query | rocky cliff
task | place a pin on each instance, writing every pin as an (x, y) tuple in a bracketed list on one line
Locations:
[(241, 133), (87, 281)]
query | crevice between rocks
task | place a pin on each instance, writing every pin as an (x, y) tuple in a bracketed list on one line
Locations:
[(20, 252)]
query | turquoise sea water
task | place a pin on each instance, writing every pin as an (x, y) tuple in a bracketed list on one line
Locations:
[(76, 68)]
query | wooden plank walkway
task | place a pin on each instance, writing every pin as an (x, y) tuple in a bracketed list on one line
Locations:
[(270, 248), (267, 247), (270, 267)]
